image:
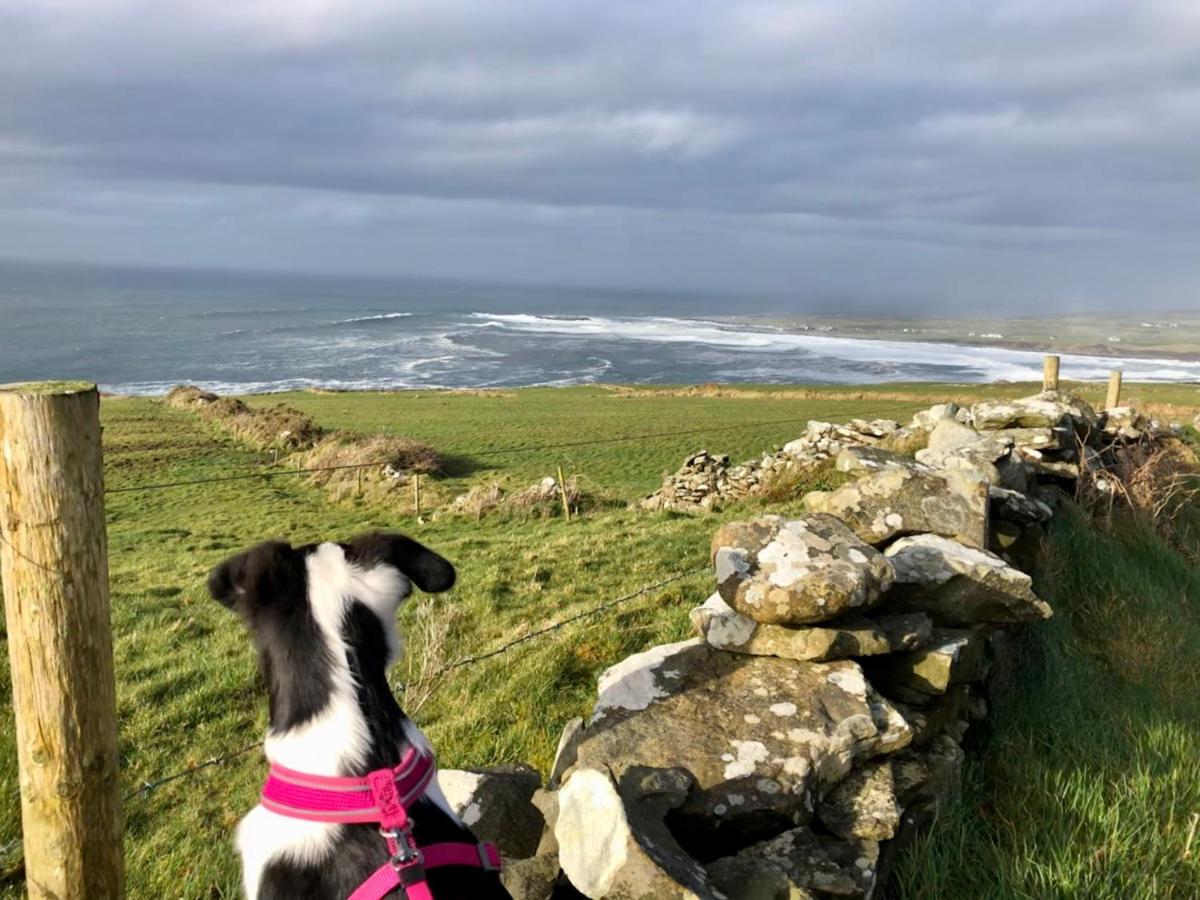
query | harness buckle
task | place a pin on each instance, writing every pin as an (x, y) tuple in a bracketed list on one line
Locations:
[(406, 848)]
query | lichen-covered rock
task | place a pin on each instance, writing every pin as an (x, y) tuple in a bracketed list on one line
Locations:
[(791, 865), (863, 804), (958, 585), (869, 459), (952, 656), (953, 445), (798, 571), (928, 419), (1041, 439), (495, 804), (1042, 464), (762, 736), (886, 504), (727, 629), (1124, 423), (613, 842), (1049, 409)]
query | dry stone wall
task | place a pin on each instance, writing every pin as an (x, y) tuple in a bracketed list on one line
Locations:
[(818, 716), (707, 480)]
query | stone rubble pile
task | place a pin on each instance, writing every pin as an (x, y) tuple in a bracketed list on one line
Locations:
[(706, 480), (818, 717)]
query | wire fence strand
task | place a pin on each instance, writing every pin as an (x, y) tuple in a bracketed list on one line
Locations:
[(484, 453)]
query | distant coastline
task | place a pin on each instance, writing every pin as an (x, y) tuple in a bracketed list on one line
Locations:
[(1166, 336)]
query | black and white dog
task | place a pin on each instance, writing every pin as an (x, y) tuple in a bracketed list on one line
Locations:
[(324, 619)]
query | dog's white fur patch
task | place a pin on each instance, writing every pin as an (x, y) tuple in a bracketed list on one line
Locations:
[(336, 739)]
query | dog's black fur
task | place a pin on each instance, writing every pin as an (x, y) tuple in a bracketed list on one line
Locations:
[(268, 587)]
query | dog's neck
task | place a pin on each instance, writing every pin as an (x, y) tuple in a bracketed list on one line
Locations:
[(359, 726)]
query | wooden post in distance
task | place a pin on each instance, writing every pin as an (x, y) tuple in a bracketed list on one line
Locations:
[(1113, 399), (1050, 373), (562, 490)]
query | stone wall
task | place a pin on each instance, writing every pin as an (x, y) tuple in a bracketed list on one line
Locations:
[(706, 480), (817, 718)]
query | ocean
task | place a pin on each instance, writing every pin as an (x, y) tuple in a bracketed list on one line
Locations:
[(143, 331)]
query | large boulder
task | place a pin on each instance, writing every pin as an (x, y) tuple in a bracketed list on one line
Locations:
[(1049, 409), (863, 804), (958, 585), (727, 629), (496, 805), (794, 572), (894, 502), (763, 737), (796, 865), (613, 841)]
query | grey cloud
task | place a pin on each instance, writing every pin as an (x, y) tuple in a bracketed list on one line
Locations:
[(669, 136)]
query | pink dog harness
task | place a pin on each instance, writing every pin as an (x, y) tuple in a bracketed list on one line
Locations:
[(383, 797)]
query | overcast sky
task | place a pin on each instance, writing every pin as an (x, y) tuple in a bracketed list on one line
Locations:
[(931, 153)]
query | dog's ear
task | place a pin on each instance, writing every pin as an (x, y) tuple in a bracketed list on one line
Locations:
[(267, 575), (424, 568)]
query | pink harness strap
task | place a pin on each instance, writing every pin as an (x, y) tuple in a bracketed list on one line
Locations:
[(383, 797)]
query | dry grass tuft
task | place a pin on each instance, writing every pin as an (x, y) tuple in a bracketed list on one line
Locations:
[(786, 485), (906, 442), (543, 499), (279, 427), (427, 640), (1156, 478), (374, 468)]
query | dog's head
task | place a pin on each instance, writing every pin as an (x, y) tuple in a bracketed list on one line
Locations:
[(324, 608)]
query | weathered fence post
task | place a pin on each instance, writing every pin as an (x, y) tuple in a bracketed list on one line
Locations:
[(1050, 373), (562, 492), (417, 496), (1113, 400), (54, 566)]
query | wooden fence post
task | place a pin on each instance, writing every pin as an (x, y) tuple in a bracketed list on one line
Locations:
[(54, 567), (1113, 400), (417, 496), (562, 490), (1050, 373)]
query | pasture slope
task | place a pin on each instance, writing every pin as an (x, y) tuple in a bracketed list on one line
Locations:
[(1084, 785)]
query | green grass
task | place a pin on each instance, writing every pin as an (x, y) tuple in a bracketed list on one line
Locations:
[(1088, 775), (187, 687)]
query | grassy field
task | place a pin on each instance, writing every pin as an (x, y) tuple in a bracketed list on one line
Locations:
[(187, 688)]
